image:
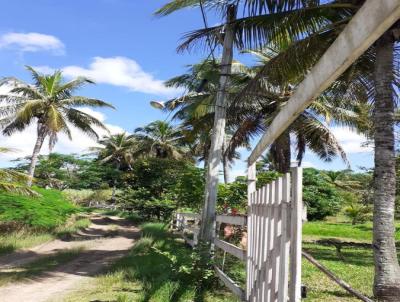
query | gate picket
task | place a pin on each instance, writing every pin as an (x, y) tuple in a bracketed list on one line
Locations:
[(274, 227)]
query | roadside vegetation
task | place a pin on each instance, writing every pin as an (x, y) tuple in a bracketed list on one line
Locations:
[(26, 221), (163, 166), (159, 268)]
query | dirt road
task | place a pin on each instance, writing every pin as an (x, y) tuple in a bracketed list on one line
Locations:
[(107, 239)]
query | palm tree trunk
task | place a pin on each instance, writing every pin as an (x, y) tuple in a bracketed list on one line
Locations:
[(218, 134), (387, 270), (225, 165), (41, 135), (226, 169), (114, 189), (282, 152)]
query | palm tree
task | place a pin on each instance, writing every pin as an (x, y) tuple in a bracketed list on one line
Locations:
[(196, 108), (12, 181), (161, 139), (49, 102), (116, 149), (252, 115), (303, 30)]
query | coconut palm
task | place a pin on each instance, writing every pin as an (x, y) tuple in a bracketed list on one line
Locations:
[(161, 139), (13, 181), (252, 115), (118, 150), (49, 102), (303, 30)]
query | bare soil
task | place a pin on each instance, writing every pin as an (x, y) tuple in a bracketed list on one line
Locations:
[(107, 239)]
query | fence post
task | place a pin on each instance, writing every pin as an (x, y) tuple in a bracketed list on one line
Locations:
[(296, 235), (251, 188), (285, 240)]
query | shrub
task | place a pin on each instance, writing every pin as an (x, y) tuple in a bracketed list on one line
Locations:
[(233, 196), (145, 205), (44, 212), (357, 213), (83, 197), (78, 196), (321, 197)]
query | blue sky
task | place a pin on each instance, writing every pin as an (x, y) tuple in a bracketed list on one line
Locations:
[(124, 48)]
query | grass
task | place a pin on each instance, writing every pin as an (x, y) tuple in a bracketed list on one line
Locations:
[(133, 217), (153, 271), (45, 212), (25, 237), (353, 265), (345, 231), (38, 267)]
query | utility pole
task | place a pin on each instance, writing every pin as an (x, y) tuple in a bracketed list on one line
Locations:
[(218, 132)]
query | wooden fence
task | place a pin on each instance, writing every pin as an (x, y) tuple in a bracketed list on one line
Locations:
[(274, 236), (273, 253)]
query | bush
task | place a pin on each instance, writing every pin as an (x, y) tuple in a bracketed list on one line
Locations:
[(145, 205), (47, 211), (84, 197), (321, 197), (357, 213), (232, 196), (78, 196)]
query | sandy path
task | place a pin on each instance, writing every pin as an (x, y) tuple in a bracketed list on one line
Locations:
[(100, 251)]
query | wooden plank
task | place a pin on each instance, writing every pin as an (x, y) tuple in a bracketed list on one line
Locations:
[(194, 229), (336, 279), (258, 245), (188, 241), (271, 231), (370, 22), (235, 220), (296, 237), (231, 249), (190, 215), (251, 188), (277, 242), (229, 283), (285, 241), (265, 245)]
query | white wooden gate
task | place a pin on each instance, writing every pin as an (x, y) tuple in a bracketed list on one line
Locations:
[(274, 244), (273, 254)]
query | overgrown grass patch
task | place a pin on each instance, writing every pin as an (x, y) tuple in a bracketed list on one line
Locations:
[(155, 270), (38, 267), (44, 212)]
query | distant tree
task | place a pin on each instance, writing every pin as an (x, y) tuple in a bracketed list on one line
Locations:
[(50, 103), (117, 150), (162, 140), (321, 198)]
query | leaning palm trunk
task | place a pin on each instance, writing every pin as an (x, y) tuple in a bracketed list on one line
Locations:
[(41, 135), (218, 134), (387, 270)]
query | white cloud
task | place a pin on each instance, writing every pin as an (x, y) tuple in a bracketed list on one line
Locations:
[(80, 143), (351, 141), (118, 71), (32, 42), (307, 164)]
